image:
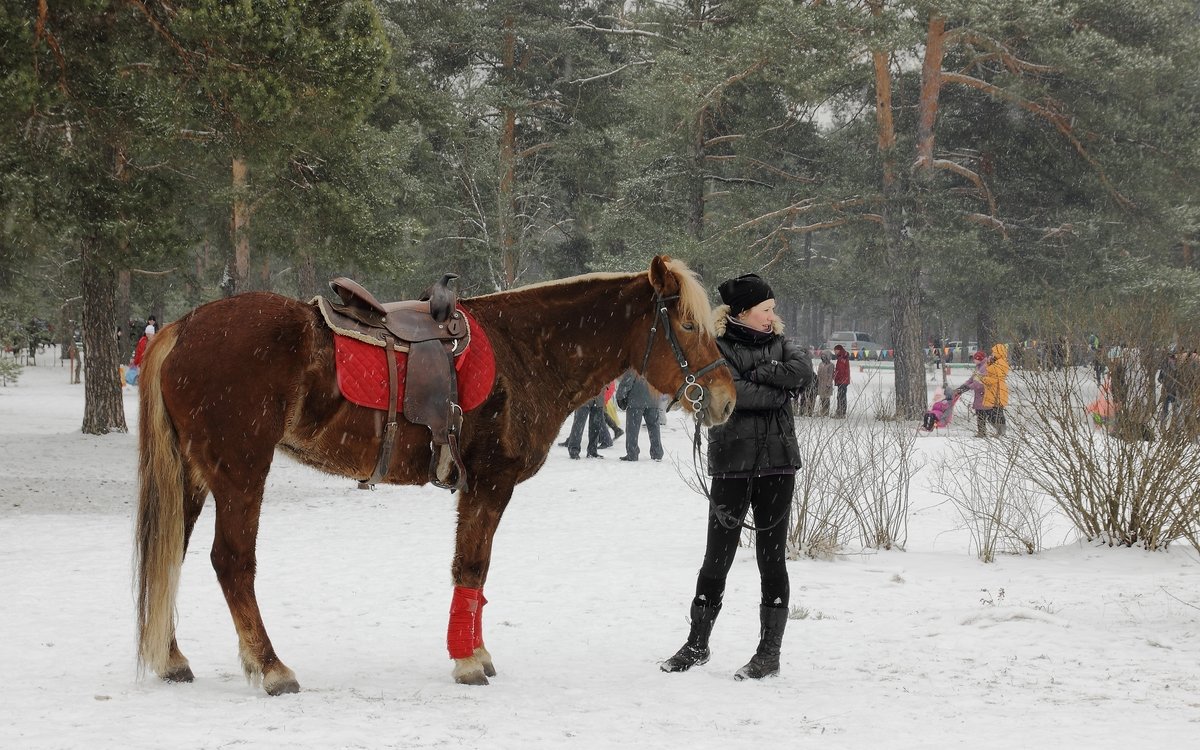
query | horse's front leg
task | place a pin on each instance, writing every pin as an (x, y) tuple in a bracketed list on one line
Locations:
[(478, 516)]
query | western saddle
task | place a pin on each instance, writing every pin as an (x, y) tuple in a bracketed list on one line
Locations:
[(433, 332)]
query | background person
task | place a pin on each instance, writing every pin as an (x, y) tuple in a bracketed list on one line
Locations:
[(825, 382), (591, 415), (634, 396), (995, 390), (841, 379)]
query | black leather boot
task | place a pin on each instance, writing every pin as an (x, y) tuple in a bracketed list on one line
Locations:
[(695, 651), (765, 661)]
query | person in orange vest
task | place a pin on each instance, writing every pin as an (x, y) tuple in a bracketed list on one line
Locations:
[(995, 391)]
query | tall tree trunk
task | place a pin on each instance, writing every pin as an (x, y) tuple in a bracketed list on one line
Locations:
[(696, 188), (125, 340), (812, 322), (124, 308), (103, 409), (195, 286), (306, 275), (506, 198), (904, 290), (931, 86), (985, 324), (237, 267), (264, 276), (905, 299), (904, 257), (884, 124)]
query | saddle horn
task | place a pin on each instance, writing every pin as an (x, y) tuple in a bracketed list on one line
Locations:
[(442, 299)]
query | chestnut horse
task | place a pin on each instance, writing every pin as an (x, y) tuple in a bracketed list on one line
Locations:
[(231, 381)]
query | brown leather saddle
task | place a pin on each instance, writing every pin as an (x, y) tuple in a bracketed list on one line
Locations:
[(433, 332)]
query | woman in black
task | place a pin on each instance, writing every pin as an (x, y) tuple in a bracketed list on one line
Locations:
[(753, 459)]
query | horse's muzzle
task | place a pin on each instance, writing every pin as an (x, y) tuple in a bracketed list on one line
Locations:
[(718, 408)]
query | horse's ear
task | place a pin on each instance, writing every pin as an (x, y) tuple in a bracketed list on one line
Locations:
[(662, 278)]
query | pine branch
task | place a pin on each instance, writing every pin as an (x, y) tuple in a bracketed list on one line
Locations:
[(534, 149), (588, 26), (991, 222), (803, 207), (723, 139), (162, 31), (714, 94), (1061, 123), (960, 170), (999, 51), (738, 180), (611, 72), (40, 33)]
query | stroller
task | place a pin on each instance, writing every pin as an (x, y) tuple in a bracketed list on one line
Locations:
[(941, 413)]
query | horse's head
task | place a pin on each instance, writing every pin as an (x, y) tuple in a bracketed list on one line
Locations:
[(681, 358)]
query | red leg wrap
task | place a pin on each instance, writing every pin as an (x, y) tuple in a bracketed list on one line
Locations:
[(464, 613), (479, 619)]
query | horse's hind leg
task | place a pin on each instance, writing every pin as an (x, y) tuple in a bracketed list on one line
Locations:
[(238, 503)]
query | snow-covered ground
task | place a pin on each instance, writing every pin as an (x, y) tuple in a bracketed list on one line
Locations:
[(1078, 646)]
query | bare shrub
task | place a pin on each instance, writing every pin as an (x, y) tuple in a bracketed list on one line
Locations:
[(1001, 508), (860, 481), (1130, 478), (10, 370), (1120, 488), (821, 519)]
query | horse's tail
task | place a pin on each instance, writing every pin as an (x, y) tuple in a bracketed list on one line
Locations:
[(158, 545)]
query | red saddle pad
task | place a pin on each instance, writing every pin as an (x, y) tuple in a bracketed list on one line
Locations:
[(362, 372)]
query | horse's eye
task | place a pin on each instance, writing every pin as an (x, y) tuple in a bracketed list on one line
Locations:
[(688, 325)]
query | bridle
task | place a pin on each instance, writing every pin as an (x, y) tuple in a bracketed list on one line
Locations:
[(691, 390), (694, 394)]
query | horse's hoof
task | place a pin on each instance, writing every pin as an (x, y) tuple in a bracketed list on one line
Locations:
[(281, 682), (283, 687), (471, 671), (485, 659), (183, 674), (473, 678)]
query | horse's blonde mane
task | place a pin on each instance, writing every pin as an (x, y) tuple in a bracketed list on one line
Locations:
[(693, 301)]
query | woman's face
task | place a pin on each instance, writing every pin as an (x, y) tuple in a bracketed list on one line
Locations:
[(761, 317)]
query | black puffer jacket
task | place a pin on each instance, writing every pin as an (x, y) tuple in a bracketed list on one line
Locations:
[(767, 370)]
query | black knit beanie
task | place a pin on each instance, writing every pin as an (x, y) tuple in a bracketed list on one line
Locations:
[(744, 292)]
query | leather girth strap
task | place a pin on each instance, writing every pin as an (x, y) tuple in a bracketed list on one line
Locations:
[(390, 427)]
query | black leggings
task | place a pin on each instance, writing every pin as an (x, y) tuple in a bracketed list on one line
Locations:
[(771, 499)]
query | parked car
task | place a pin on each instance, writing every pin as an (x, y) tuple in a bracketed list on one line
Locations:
[(852, 341), (960, 352)]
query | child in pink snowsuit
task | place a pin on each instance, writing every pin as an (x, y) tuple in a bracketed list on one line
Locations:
[(939, 414)]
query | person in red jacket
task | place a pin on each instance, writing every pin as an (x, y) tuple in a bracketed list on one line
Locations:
[(140, 351), (841, 379)]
